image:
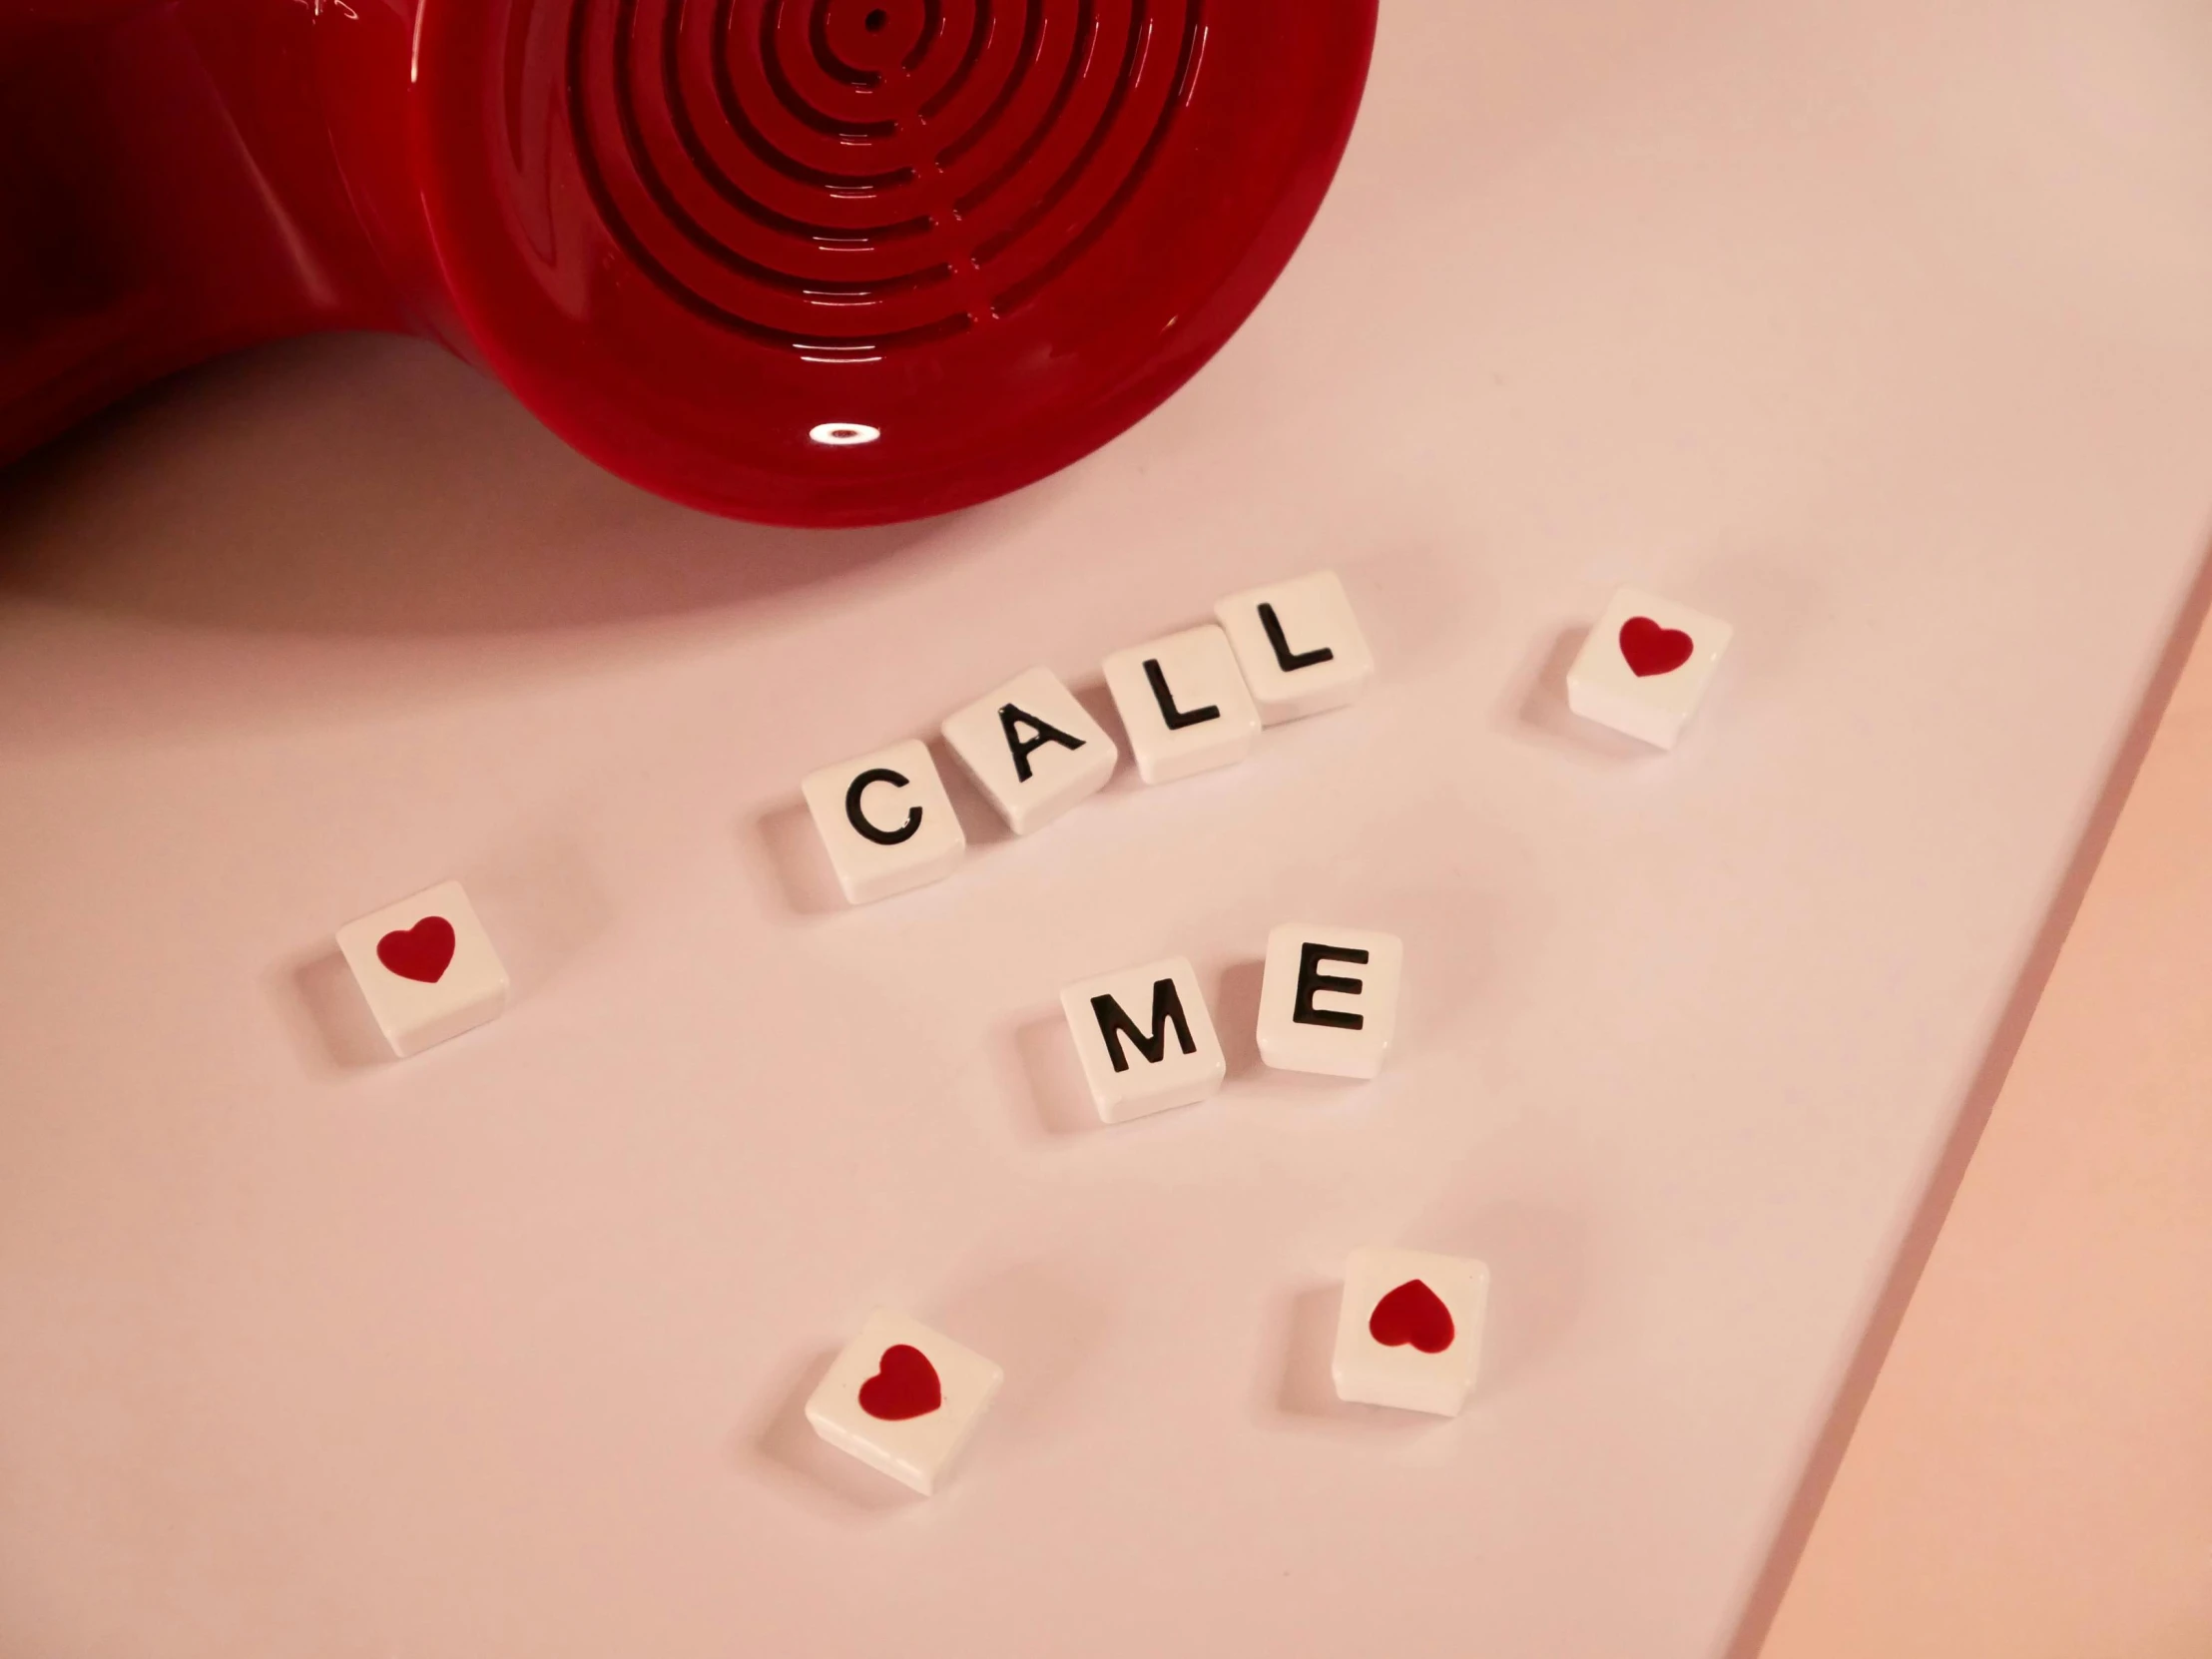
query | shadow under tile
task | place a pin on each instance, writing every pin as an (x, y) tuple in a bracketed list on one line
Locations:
[(798, 861), (1236, 1014), (323, 1011), (1051, 1077)]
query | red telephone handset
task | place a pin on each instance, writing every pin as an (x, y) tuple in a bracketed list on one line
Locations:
[(811, 262)]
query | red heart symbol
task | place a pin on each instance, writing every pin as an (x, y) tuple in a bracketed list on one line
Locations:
[(904, 1385), (1651, 649), (418, 952), (1411, 1314)]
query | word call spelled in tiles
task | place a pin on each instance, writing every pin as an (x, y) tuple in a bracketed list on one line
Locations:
[(1328, 999), (1145, 1040), (1410, 1331), (886, 821), (1299, 645), (427, 967), (1032, 748), (1184, 703), (902, 1398), (1189, 702), (1645, 666)]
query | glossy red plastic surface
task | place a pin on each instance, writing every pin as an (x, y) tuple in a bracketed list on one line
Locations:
[(816, 261)]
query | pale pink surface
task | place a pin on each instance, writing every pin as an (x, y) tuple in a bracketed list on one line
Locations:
[(2033, 1473), (1876, 328)]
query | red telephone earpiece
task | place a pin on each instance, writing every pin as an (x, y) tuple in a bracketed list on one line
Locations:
[(813, 262)]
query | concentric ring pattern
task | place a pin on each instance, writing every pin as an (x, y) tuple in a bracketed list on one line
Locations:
[(869, 174)]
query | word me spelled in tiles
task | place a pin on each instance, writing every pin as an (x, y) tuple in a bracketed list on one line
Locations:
[(1410, 1331), (902, 1398), (1145, 1040), (427, 967), (886, 821), (1328, 999), (1184, 703), (1299, 645), (1032, 748), (1645, 666)]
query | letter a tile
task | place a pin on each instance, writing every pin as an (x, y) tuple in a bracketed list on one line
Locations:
[(1032, 748)]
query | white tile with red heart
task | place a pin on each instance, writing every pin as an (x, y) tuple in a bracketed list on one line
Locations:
[(1645, 666), (902, 1398), (427, 967), (1410, 1329)]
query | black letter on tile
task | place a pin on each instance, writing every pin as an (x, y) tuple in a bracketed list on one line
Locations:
[(1176, 718), (1167, 1009), (1312, 980), (1023, 747), (1284, 658), (858, 819)]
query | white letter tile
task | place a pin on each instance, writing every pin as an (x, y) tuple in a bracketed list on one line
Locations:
[(1645, 666), (427, 967), (1032, 748), (1299, 645), (902, 1398), (1328, 999), (1184, 703), (1145, 1040), (1409, 1332), (886, 821)]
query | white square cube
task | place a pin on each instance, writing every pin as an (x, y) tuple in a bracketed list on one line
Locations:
[(427, 967), (1032, 748), (902, 1398), (1145, 1040), (1645, 666), (1184, 703), (886, 821), (1328, 999), (1409, 1332), (1299, 645)]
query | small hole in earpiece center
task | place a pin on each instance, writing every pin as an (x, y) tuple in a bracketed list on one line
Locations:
[(877, 19)]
